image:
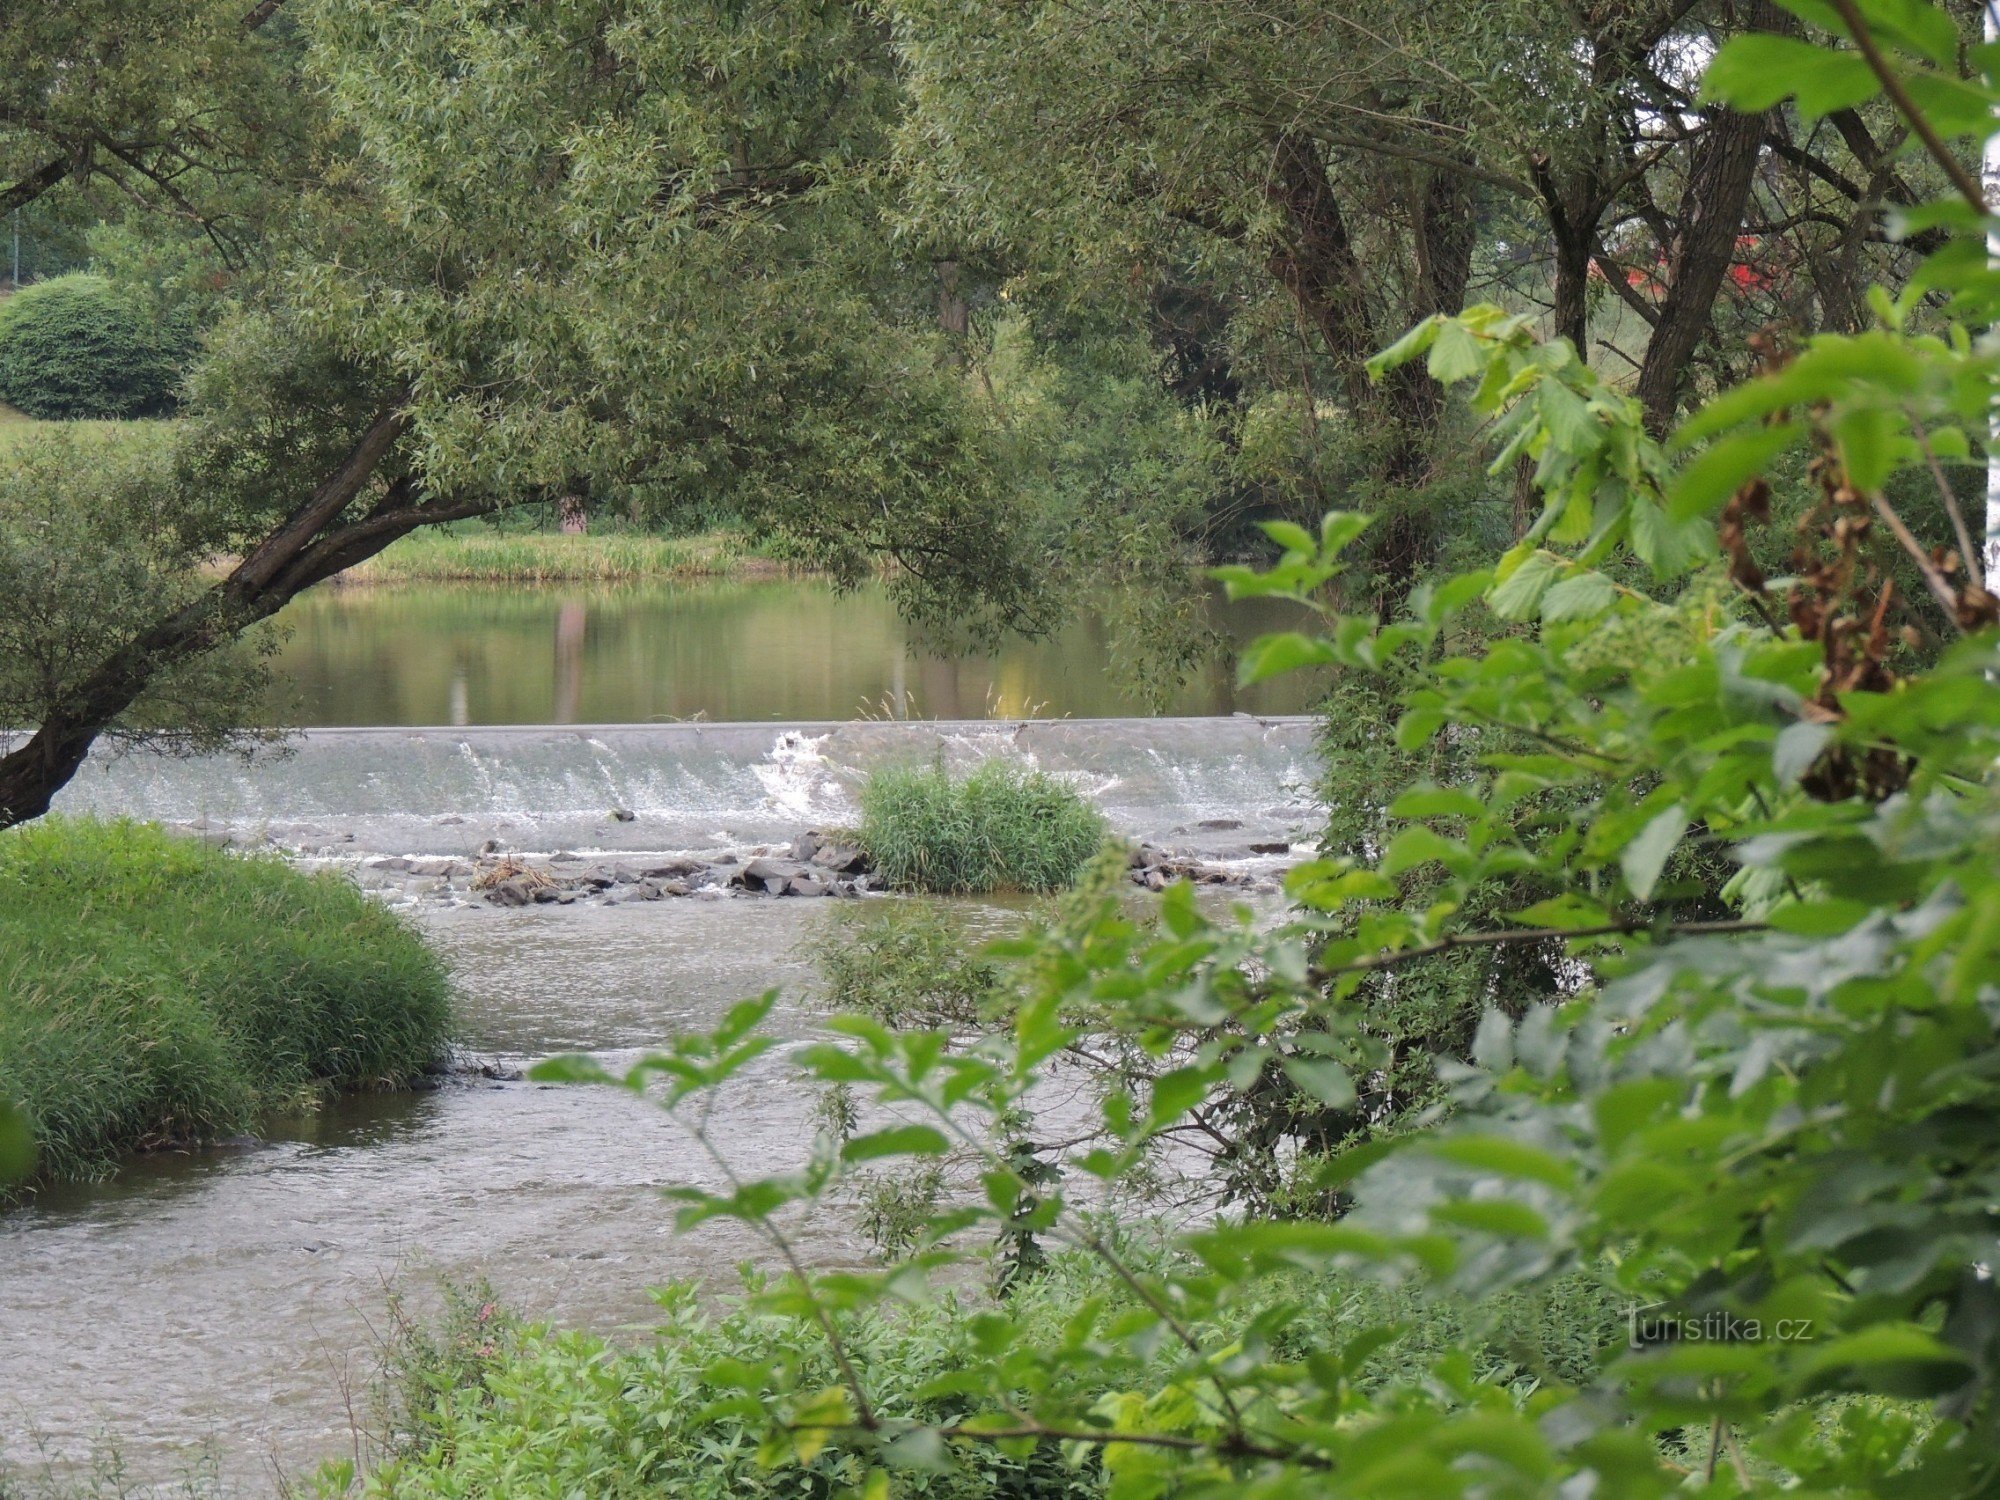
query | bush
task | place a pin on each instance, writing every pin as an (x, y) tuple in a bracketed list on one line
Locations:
[(483, 1404), (908, 964), (72, 347), (160, 990), (1003, 828)]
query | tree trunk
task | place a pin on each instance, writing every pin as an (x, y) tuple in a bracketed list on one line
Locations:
[(310, 546), (1711, 217), (954, 313), (1316, 263)]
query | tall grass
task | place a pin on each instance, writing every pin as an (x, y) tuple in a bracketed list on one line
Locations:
[(155, 990), (484, 555), (1002, 828)]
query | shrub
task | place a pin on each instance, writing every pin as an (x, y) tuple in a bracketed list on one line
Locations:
[(158, 989), (72, 347), (907, 964), (1003, 828), (483, 1404)]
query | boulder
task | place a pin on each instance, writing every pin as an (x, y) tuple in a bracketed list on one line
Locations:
[(623, 815), (672, 869), (1271, 848), (766, 874), (843, 859), (805, 885), (806, 846), (511, 892)]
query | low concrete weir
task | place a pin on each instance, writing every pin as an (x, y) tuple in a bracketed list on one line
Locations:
[(695, 786)]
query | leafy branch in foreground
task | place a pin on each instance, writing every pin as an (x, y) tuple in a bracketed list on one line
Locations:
[(1760, 820)]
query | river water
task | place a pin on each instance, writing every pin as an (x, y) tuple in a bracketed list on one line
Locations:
[(226, 1309), (786, 649)]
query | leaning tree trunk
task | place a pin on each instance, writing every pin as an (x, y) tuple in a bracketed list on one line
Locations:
[(312, 544)]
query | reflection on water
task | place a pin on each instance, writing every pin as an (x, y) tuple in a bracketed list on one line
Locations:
[(790, 649)]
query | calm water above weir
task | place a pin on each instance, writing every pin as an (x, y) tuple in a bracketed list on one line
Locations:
[(784, 649)]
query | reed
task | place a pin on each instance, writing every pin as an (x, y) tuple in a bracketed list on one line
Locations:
[(1002, 828)]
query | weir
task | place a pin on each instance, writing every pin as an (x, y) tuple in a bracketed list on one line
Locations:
[(1205, 785)]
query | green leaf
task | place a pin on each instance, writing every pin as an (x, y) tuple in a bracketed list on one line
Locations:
[(1753, 72), (1322, 1078), (1519, 593), (1290, 535), (1645, 857), (1718, 473), (571, 1068), (1567, 417), (1867, 437), (1437, 802), (1455, 354), (1583, 596), (899, 1140), (1417, 341), (1274, 655), (1797, 747), (1507, 1158)]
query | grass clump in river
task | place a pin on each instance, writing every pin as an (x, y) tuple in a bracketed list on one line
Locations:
[(159, 990), (1005, 827)]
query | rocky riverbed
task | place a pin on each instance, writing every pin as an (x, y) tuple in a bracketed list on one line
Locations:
[(816, 863)]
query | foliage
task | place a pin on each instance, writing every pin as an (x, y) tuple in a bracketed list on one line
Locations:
[(1003, 827), (486, 1403), (161, 991), (1775, 1127), (73, 347), (89, 531), (906, 963)]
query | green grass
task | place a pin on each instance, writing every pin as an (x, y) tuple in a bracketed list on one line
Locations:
[(1003, 828), (17, 427), (158, 990), (485, 555)]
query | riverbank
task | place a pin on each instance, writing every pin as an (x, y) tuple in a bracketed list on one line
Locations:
[(478, 554), (163, 992)]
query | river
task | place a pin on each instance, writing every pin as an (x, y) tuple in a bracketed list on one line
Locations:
[(784, 649), (224, 1310)]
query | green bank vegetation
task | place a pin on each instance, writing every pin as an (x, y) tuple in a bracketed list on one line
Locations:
[(479, 554), (484, 1404), (1002, 827), (159, 991)]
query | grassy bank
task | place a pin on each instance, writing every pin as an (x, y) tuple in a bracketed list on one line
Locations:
[(18, 427), (481, 554), (158, 990), (1001, 828)]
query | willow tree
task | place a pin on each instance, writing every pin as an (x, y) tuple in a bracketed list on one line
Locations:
[(594, 245)]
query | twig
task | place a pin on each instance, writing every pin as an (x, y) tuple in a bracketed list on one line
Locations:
[(1320, 974), (1939, 585), (1892, 85), (1967, 553)]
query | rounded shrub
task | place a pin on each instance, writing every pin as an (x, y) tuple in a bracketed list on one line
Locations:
[(1005, 827), (73, 348), (155, 990)]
